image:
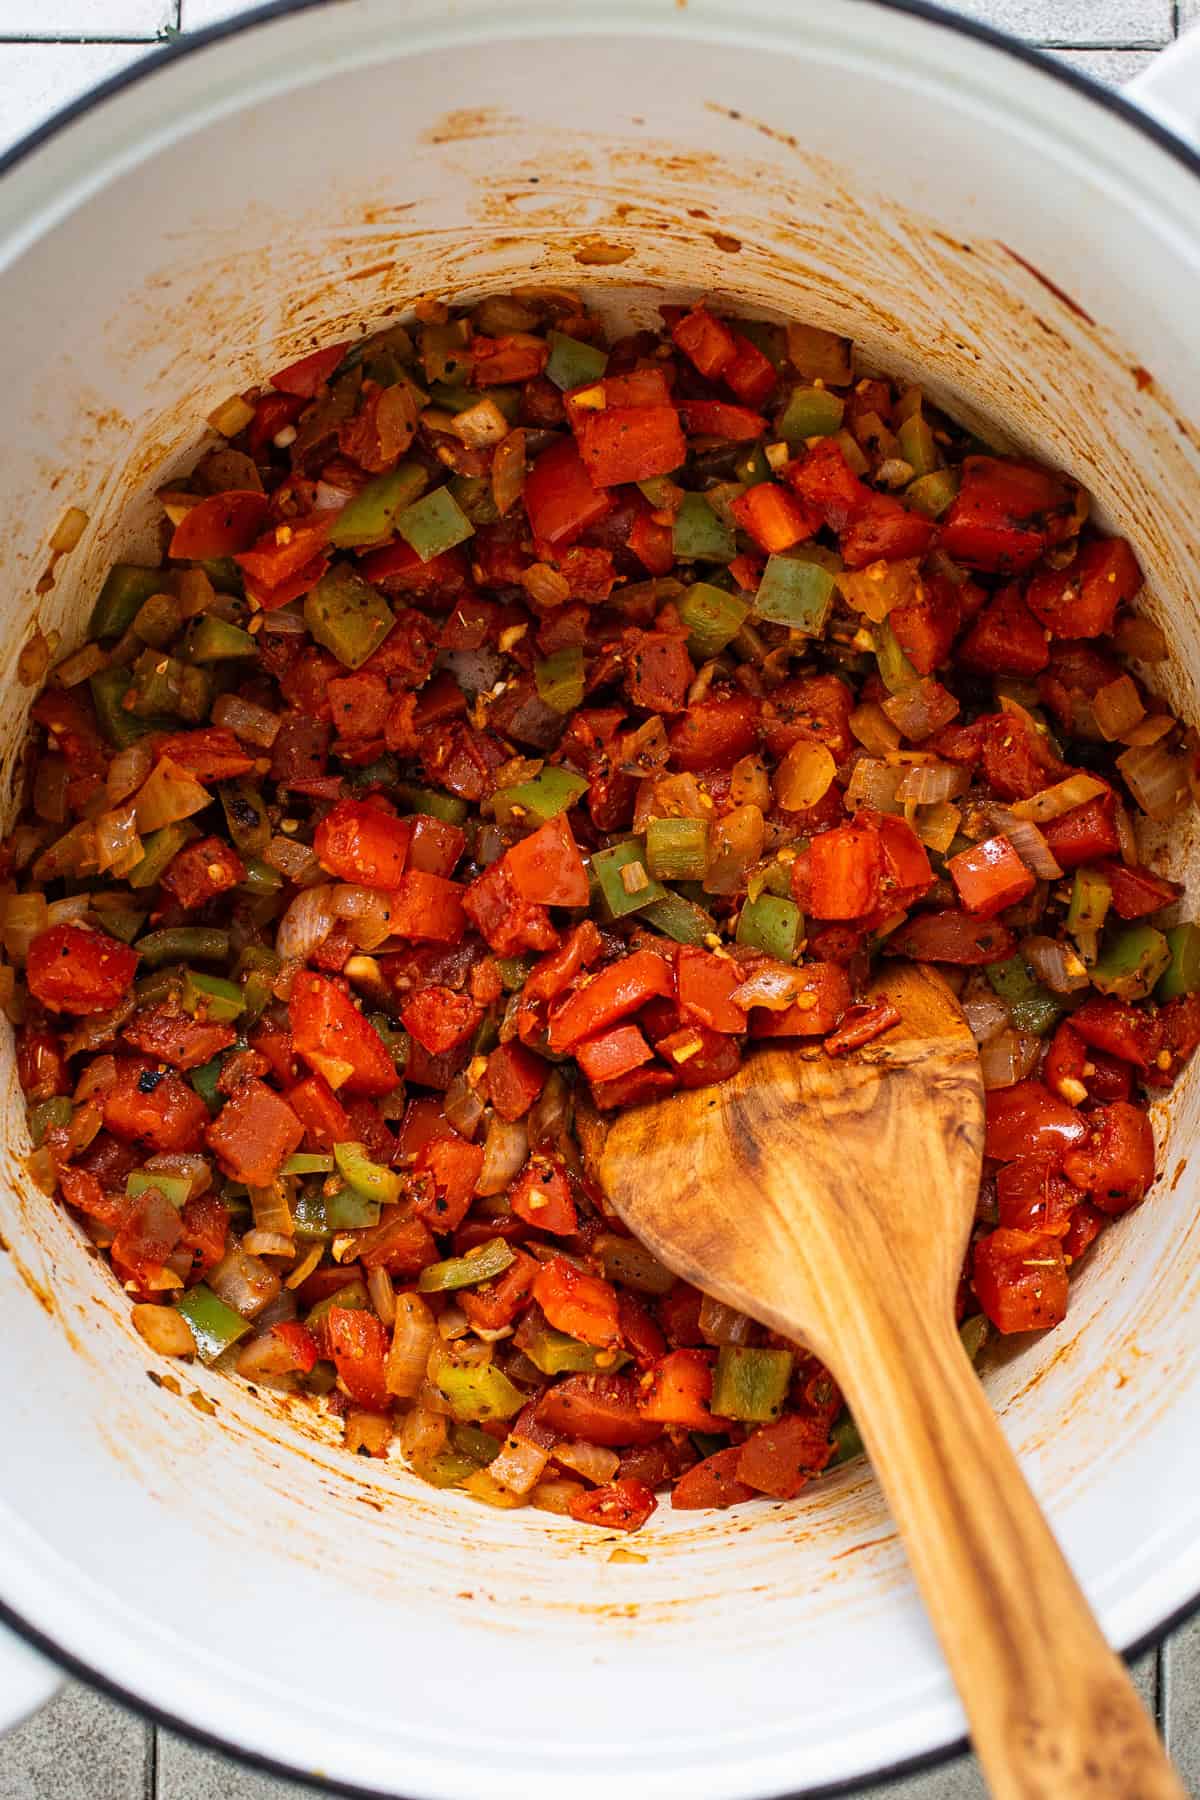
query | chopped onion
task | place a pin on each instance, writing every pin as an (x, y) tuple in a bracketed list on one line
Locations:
[(595, 1463), (1156, 777), (520, 1465), (1117, 707), (504, 1151), (84, 1127), (97, 1077), (749, 783), (68, 911), (127, 771), (985, 1012), (272, 1213), (804, 776), (774, 986), (253, 724), (875, 590), (164, 1329), (189, 1163), (283, 623), (926, 784), (874, 784), (99, 1029), (412, 1339), (1055, 964), (452, 1323), (556, 1496), (508, 471), (735, 844), (292, 859), (167, 795), (1063, 797), (119, 845), (74, 853), (1027, 841), (1126, 836), (937, 825), (921, 709), (1140, 638), (329, 498), (307, 922), (548, 1121), (873, 729), (268, 1243), (721, 1324), (25, 915), (423, 1432), (481, 426), (265, 1359), (383, 1294), (463, 1106), (243, 1282), (1009, 1058), (77, 668), (476, 671), (1148, 731)]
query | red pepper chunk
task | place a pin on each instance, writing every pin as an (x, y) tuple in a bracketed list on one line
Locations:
[(884, 531), (336, 1040), (1115, 1161), (705, 983), (324, 1118), (842, 872), (613, 1054), (1021, 1279), (716, 418), (152, 1106), (583, 1306), (560, 496), (1032, 1196), (284, 551), (508, 923), (963, 939), (990, 876), (358, 1344), (254, 1134), (440, 1019), (428, 908), (1004, 515), (600, 1409), (362, 843), (1136, 892), (546, 868), (1028, 1120), (1081, 600), (515, 1078), (541, 1195), (613, 994), (751, 374), (1118, 1029), (678, 1391), (823, 998), (1086, 834), (71, 968), (620, 1506), (202, 871), (860, 1026), (774, 518), (630, 443), (714, 1482), (708, 343), (222, 525), (517, 357), (494, 1304), (308, 376), (211, 754), (779, 1458), (434, 845), (453, 1166)]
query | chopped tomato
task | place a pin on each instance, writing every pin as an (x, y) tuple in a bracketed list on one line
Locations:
[(861, 1025), (554, 973), (452, 1166), (440, 1019), (167, 1034), (254, 1134), (307, 377), (1114, 1026), (1081, 600), (658, 671), (336, 1040), (841, 873), (1005, 639), (707, 342), (320, 1112), (1028, 1120), (434, 846), (202, 871), (774, 518), (809, 709), (751, 374), (541, 1195), (210, 754), (153, 1106), (990, 876), (428, 908), (1004, 515), (1033, 1196), (630, 443), (1086, 834), (619, 1506), (494, 1304), (705, 983), (498, 361), (582, 1305), (222, 525), (71, 968), (515, 1078), (715, 731), (613, 994), (600, 1409), (362, 843), (546, 868), (1021, 1279), (678, 1391), (1114, 1162), (884, 530), (1138, 891), (951, 937), (823, 998), (284, 551), (779, 1458), (508, 923), (560, 496), (716, 418), (358, 1344)]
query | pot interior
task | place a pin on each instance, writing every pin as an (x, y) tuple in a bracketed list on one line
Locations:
[(974, 224)]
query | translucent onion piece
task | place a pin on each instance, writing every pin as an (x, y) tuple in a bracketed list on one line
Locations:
[(243, 1282), (1008, 1058), (804, 776), (592, 1461), (272, 1213), (84, 1127), (96, 1078), (25, 915), (329, 498), (481, 426), (294, 860), (920, 710), (463, 1105), (68, 911), (1063, 797), (986, 1014), (118, 842), (556, 1496), (452, 1323), (873, 729), (383, 1295), (504, 1151), (166, 1331), (548, 1121), (875, 590), (1140, 638), (99, 1029), (926, 784), (412, 1339), (188, 1163), (774, 986), (84, 663), (284, 623), (307, 922), (508, 471), (265, 1358), (1157, 778), (749, 783), (1149, 730), (476, 671), (735, 844), (519, 1466), (127, 771), (1027, 841), (74, 853), (1117, 707), (424, 1432), (167, 795), (253, 724), (1058, 966), (268, 1243), (721, 1324), (874, 784), (1126, 836)]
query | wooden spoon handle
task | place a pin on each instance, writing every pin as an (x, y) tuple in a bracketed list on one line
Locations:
[(1053, 1713)]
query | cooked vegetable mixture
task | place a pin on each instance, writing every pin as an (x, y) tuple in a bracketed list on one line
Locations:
[(516, 728)]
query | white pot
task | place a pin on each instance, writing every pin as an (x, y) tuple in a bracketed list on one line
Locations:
[(861, 166)]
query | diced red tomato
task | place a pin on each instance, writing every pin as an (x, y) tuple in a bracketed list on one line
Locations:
[(202, 871), (774, 517), (1081, 600), (1033, 1196), (359, 842), (1004, 515), (1005, 639), (678, 1391), (1065, 1061), (1021, 1279), (1028, 1120), (284, 551), (990, 876), (1086, 1226), (751, 374), (705, 983), (715, 731), (629, 443), (716, 418), (452, 1166), (639, 1332), (809, 709), (658, 670), (582, 1305), (546, 868), (619, 1506), (884, 530), (211, 754), (359, 705), (358, 1344), (600, 1409), (862, 1025), (148, 1232), (508, 923), (167, 1034), (154, 1107), (205, 1231), (515, 1078), (1136, 892), (951, 937), (254, 1134), (1114, 1163), (494, 1304), (1086, 834), (824, 997), (706, 342), (560, 496), (272, 414), (324, 1118), (71, 968), (925, 628), (307, 377), (714, 1482), (541, 1195), (613, 994), (779, 1458), (435, 846), (824, 478), (336, 1040), (841, 873), (440, 1019), (222, 525), (1119, 1029), (498, 361), (615, 1053)]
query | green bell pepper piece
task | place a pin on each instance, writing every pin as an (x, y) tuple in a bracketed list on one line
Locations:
[(204, 1081), (677, 849), (931, 494), (211, 639), (224, 574), (370, 1179), (434, 524), (347, 616), (444, 1468), (916, 444), (796, 593), (713, 618), (476, 1390), (49, 1115), (120, 921), (473, 494), (126, 589), (108, 689), (773, 925), (752, 468), (175, 1188), (620, 900), (211, 998), (973, 1334), (895, 670), (444, 352), (560, 678), (571, 363), (183, 943), (1131, 963), (308, 1162), (699, 535), (680, 919), (750, 1384), (1091, 897), (431, 801), (551, 791), (351, 1298), (350, 1211), (513, 971), (158, 620), (1031, 1006), (847, 1440), (162, 684), (370, 517), (489, 1260), (553, 1352), (1182, 974), (215, 1326), (260, 878), (810, 412), (308, 1214), (468, 1440), (161, 848)]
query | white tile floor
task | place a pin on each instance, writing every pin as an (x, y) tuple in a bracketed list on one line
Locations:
[(82, 1747)]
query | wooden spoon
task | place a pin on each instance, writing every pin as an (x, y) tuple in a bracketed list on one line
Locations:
[(833, 1200)]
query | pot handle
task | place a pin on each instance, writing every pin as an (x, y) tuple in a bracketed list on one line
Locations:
[(1169, 88), (27, 1680)]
